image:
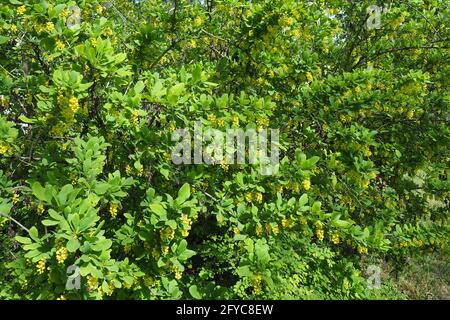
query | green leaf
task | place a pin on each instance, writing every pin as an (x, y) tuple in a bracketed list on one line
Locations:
[(23, 240), (139, 86), (49, 222), (25, 119), (4, 39), (102, 245), (193, 290), (34, 234), (101, 188), (184, 193), (158, 209), (72, 245), (40, 192), (303, 200)]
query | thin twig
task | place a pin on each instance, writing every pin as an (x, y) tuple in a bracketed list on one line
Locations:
[(15, 221)]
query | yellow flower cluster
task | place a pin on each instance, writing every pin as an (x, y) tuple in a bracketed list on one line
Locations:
[(64, 14), (346, 284), (257, 284), (287, 223), (99, 9), (92, 283), (259, 230), (108, 32), (50, 27), (362, 250), (62, 254), (186, 222), (73, 104), (345, 118), (3, 149), (21, 10), (235, 120), (40, 209), (167, 234), (60, 45), (335, 238), (198, 21), (276, 229), (306, 184), (135, 117), (113, 209), (309, 77), (320, 234), (178, 274), (40, 266), (286, 21), (258, 197), (248, 196), (15, 198)]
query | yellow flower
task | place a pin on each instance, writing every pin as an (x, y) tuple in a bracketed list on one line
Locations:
[(309, 76), (335, 238), (93, 42), (198, 21), (346, 284), (99, 9), (410, 114), (21, 10), (15, 198), (40, 208), (165, 249), (92, 283), (224, 165), (3, 149), (259, 230), (61, 297), (50, 27), (319, 234), (40, 266), (135, 117), (60, 45), (178, 274), (64, 13), (13, 28), (275, 229), (113, 209), (306, 184), (248, 196), (185, 220), (303, 220), (258, 197), (62, 254), (212, 118), (362, 250), (167, 234), (365, 183)]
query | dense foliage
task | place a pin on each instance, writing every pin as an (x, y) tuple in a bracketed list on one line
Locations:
[(88, 105)]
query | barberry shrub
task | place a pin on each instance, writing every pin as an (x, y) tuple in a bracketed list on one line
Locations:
[(91, 92)]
